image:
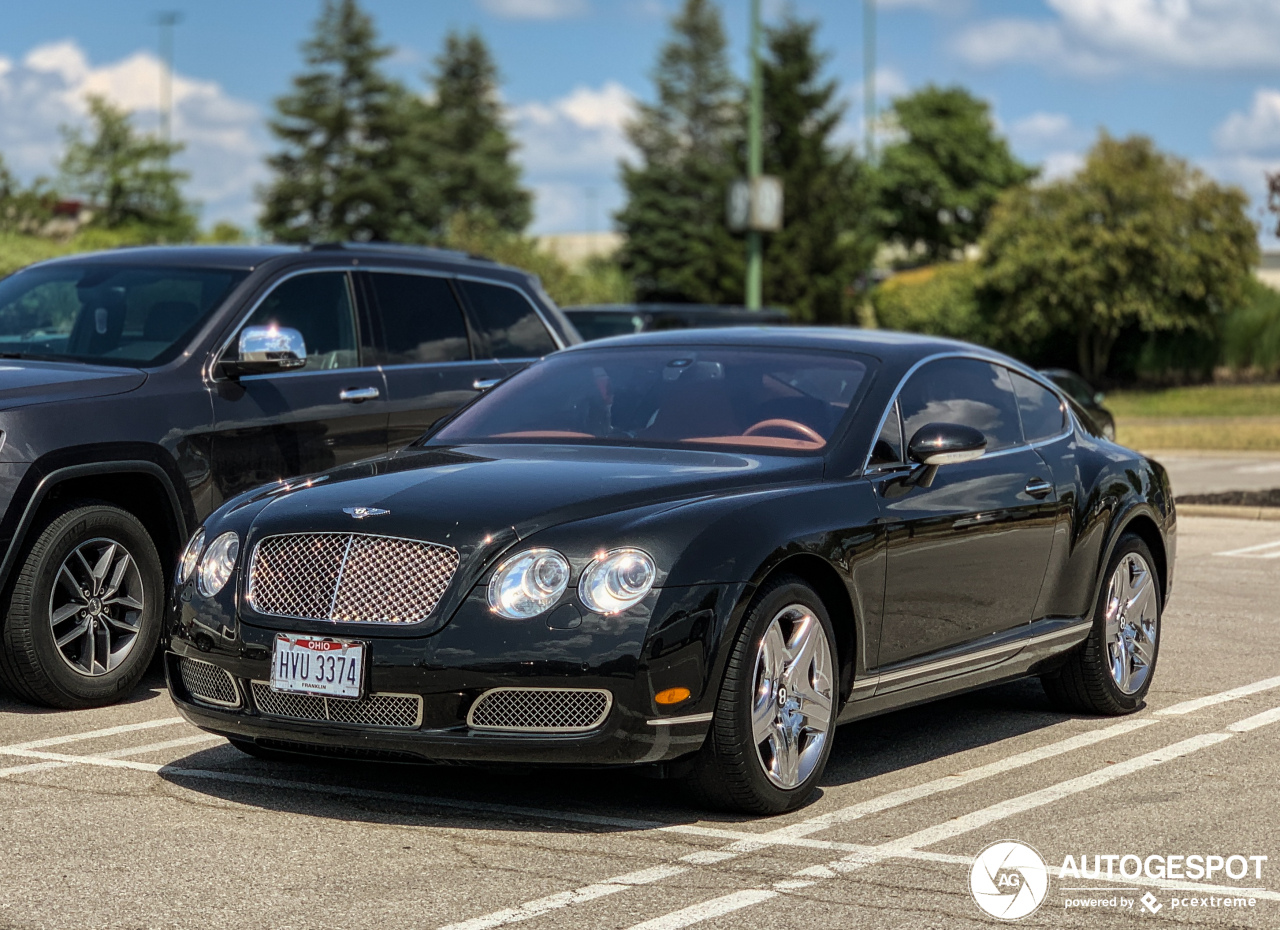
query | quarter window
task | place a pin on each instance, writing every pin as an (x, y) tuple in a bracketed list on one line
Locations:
[(421, 320), (888, 447), (319, 306), (965, 391), (1041, 409), (509, 321)]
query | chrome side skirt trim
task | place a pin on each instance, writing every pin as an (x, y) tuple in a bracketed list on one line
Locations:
[(676, 721)]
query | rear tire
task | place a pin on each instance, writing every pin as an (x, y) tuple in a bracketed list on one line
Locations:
[(1110, 673), (775, 715), (83, 615)]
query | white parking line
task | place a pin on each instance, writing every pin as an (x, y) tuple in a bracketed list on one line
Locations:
[(96, 734), (116, 754), (1260, 551), (716, 907), (1257, 720), (531, 909), (1186, 707)]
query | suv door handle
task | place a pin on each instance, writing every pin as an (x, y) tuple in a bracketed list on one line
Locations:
[(1038, 487), (483, 384), (358, 395)]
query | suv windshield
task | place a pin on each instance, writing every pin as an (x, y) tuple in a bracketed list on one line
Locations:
[(764, 399), (110, 314)]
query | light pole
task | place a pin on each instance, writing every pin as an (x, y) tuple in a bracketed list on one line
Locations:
[(754, 161), (869, 77), (166, 21)]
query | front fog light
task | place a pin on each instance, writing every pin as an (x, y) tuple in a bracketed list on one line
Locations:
[(616, 581), (190, 556), (218, 563), (528, 583)]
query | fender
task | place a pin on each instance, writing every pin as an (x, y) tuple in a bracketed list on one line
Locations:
[(1120, 521), (51, 479)]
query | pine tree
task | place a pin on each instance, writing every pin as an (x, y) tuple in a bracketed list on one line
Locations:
[(348, 169), (825, 242), (937, 185), (465, 139), (126, 177), (678, 247)]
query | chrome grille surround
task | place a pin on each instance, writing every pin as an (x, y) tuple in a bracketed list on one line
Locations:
[(349, 577), (208, 683), (385, 710), (540, 710)]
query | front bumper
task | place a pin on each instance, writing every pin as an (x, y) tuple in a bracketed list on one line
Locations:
[(674, 638)]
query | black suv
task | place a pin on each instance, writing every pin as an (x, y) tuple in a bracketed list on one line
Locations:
[(141, 388)]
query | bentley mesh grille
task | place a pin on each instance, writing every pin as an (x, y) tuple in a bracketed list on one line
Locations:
[(540, 710), (350, 577), (208, 683), (393, 711)]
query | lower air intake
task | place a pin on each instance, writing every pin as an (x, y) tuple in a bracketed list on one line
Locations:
[(540, 710), (208, 684), (391, 711)]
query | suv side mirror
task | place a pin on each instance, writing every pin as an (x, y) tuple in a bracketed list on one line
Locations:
[(267, 349), (936, 444)]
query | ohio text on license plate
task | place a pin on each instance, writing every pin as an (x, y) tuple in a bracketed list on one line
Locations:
[(317, 665)]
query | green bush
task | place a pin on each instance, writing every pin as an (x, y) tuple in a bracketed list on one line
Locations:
[(1251, 334), (940, 300)]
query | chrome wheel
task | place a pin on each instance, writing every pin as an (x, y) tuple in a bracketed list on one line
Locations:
[(96, 606), (792, 695), (1132, 623)]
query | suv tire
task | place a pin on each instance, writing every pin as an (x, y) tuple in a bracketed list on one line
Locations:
[(71, 648)]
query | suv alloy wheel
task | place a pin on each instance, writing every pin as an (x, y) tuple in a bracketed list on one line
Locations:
[(84, 613)]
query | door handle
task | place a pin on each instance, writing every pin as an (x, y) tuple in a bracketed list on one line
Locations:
[(483, 384), (358, 395), (1038, 488)]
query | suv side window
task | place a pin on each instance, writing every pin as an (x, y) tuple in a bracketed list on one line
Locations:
[(421, 319), (510, 322), (319, 306), (964, 391), (1041, 409)]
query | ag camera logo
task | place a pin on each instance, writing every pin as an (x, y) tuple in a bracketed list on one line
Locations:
[(1009, 880)]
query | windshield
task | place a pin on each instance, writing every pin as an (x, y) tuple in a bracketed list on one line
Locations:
[(762, 399), (110, 314)]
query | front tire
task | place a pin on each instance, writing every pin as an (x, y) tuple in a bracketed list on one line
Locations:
[(1110, 672), (775, 716), (83, 615)]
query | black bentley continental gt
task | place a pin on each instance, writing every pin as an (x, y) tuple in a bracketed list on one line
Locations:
[(698, 551)]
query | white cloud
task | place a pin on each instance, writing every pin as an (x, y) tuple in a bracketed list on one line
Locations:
[(534, 9), (1101, 36), (1255, 131), (580, 133), (224, 136)]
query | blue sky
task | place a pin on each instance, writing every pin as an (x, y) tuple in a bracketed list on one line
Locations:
[(1200, 76)]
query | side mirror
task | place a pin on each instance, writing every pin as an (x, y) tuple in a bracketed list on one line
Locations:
[(936, 444), (267, 349)]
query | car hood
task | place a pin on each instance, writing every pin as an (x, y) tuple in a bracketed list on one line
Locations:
[(481, 497), (25, 382)]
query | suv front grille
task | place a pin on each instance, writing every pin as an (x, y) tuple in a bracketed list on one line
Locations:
[(394, 711), (349, 577), (540, 710), (207, 683)]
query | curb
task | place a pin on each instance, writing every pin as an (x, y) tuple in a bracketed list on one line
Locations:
[(1227, 510)]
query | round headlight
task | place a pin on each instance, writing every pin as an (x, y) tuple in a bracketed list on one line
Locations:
[(616, 581), (528, 583), (190, 556), (218, 563)]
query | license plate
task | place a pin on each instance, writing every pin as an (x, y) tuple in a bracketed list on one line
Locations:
[(317, 665)]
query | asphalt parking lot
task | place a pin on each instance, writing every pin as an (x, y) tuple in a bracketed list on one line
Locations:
[(126, 817)]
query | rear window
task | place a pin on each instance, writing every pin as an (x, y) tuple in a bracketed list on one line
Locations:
[(761, 399)]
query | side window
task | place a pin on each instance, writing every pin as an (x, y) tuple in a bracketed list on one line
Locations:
[(509, 320), (888, 447), (1042, 413), (421, 319), (319, 306), (965, 391)]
